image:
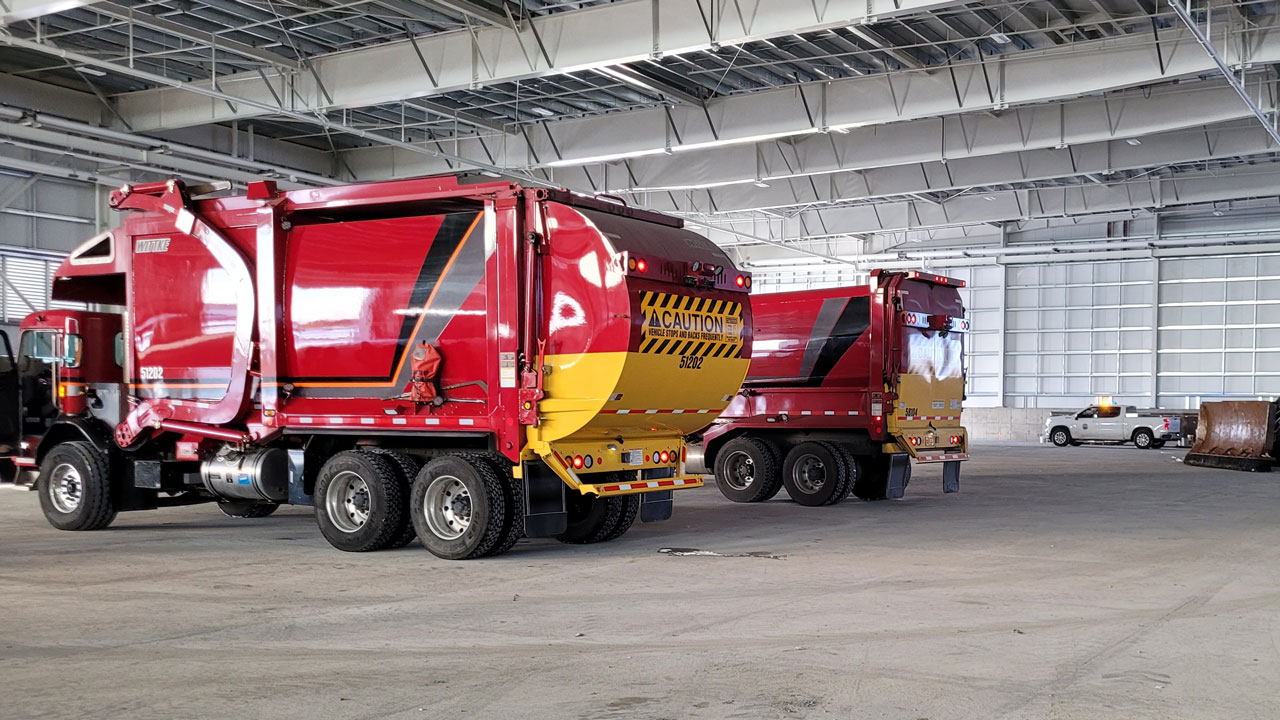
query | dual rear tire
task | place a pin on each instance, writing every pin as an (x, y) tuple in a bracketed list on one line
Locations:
[(815, 473)]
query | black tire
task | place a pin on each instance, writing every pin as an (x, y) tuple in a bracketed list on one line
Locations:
[(406, 470), (1144, 439), (591, 518), (1157, 444), (853, 469), (468, 507), (367, 508), (1060, 436), (816, 474), (872, 482), (513, 490), (747, 470), (79, 497), (247, 509), (630, 511)]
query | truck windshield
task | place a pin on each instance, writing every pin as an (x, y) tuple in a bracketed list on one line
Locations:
[(42, 345)]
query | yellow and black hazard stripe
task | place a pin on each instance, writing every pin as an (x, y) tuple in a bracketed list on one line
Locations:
[(689, 325)]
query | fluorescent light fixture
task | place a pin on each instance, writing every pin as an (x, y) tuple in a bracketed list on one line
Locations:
[(843, 128), (567, 162), (761, 184), (91, 71), (989, 198), (1134, 141), (727, 142), (1000, 38), (543, 112), (47, 216)]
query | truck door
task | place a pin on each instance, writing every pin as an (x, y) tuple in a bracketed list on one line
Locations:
[(46, 359), (1110, 423), (1086, 424)]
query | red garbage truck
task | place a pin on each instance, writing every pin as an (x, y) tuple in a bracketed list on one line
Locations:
[(460, 359), (848, 387)]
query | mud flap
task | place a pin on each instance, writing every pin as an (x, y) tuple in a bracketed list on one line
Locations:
[(544, 508), (951, 476), (899, 476), (656, 506)]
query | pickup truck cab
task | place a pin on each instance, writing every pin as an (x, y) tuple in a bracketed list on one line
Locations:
[(1112, 424)]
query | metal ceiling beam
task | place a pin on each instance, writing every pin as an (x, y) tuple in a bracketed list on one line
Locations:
[(218, 96), (473, 10), (1183, 9), (1094, 161), (594, 37), (1092, 119), (1151, 193), (187, 32), (644, 82)]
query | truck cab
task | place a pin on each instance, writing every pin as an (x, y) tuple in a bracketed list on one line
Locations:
[(65, 378)]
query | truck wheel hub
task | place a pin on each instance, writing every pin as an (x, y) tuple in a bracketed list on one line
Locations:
[(447, 507), (742, 471), (65, 488), (348, 502), (809, 474)]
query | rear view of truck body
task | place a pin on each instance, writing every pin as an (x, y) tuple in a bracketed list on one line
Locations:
[(464, 361), (848, 387)]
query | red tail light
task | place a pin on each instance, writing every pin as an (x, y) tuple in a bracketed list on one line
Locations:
[(577, 461), (915, 441), (641, 265), (741, 281), (665, 456), (955, 439), (682, 455)]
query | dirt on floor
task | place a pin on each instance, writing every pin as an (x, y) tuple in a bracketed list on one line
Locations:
[(1089, 582)]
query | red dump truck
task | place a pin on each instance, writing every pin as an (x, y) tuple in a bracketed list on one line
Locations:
[(847, 388), (463, 360)]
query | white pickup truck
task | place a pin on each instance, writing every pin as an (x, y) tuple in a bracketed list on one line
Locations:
[(1113, 424)]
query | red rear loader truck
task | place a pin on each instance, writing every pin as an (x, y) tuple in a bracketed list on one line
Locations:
[(463, 360), (847, 388)]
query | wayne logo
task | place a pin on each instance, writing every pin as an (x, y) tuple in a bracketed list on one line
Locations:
[(686, 325)]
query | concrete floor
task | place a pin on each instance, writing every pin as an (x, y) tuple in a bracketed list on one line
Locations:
[(1063, 583)]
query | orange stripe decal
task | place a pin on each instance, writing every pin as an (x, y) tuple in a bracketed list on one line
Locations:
[(417, 326)]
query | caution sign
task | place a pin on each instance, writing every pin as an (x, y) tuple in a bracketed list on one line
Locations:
[(687, 325)]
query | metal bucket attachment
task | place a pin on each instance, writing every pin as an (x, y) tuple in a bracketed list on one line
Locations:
[(1236, 435)]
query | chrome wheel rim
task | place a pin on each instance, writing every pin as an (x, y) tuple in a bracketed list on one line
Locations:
[(809, 474), (347, 501), (447, 507), (1060, 438), (742, 470), (1142, 440), (65, 488)]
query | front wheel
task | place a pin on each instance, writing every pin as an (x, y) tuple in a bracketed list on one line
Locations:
[(1060, 437), (75, 487), (1143, 439)]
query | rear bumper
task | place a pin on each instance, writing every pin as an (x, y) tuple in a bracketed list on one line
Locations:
[(941, 457)]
